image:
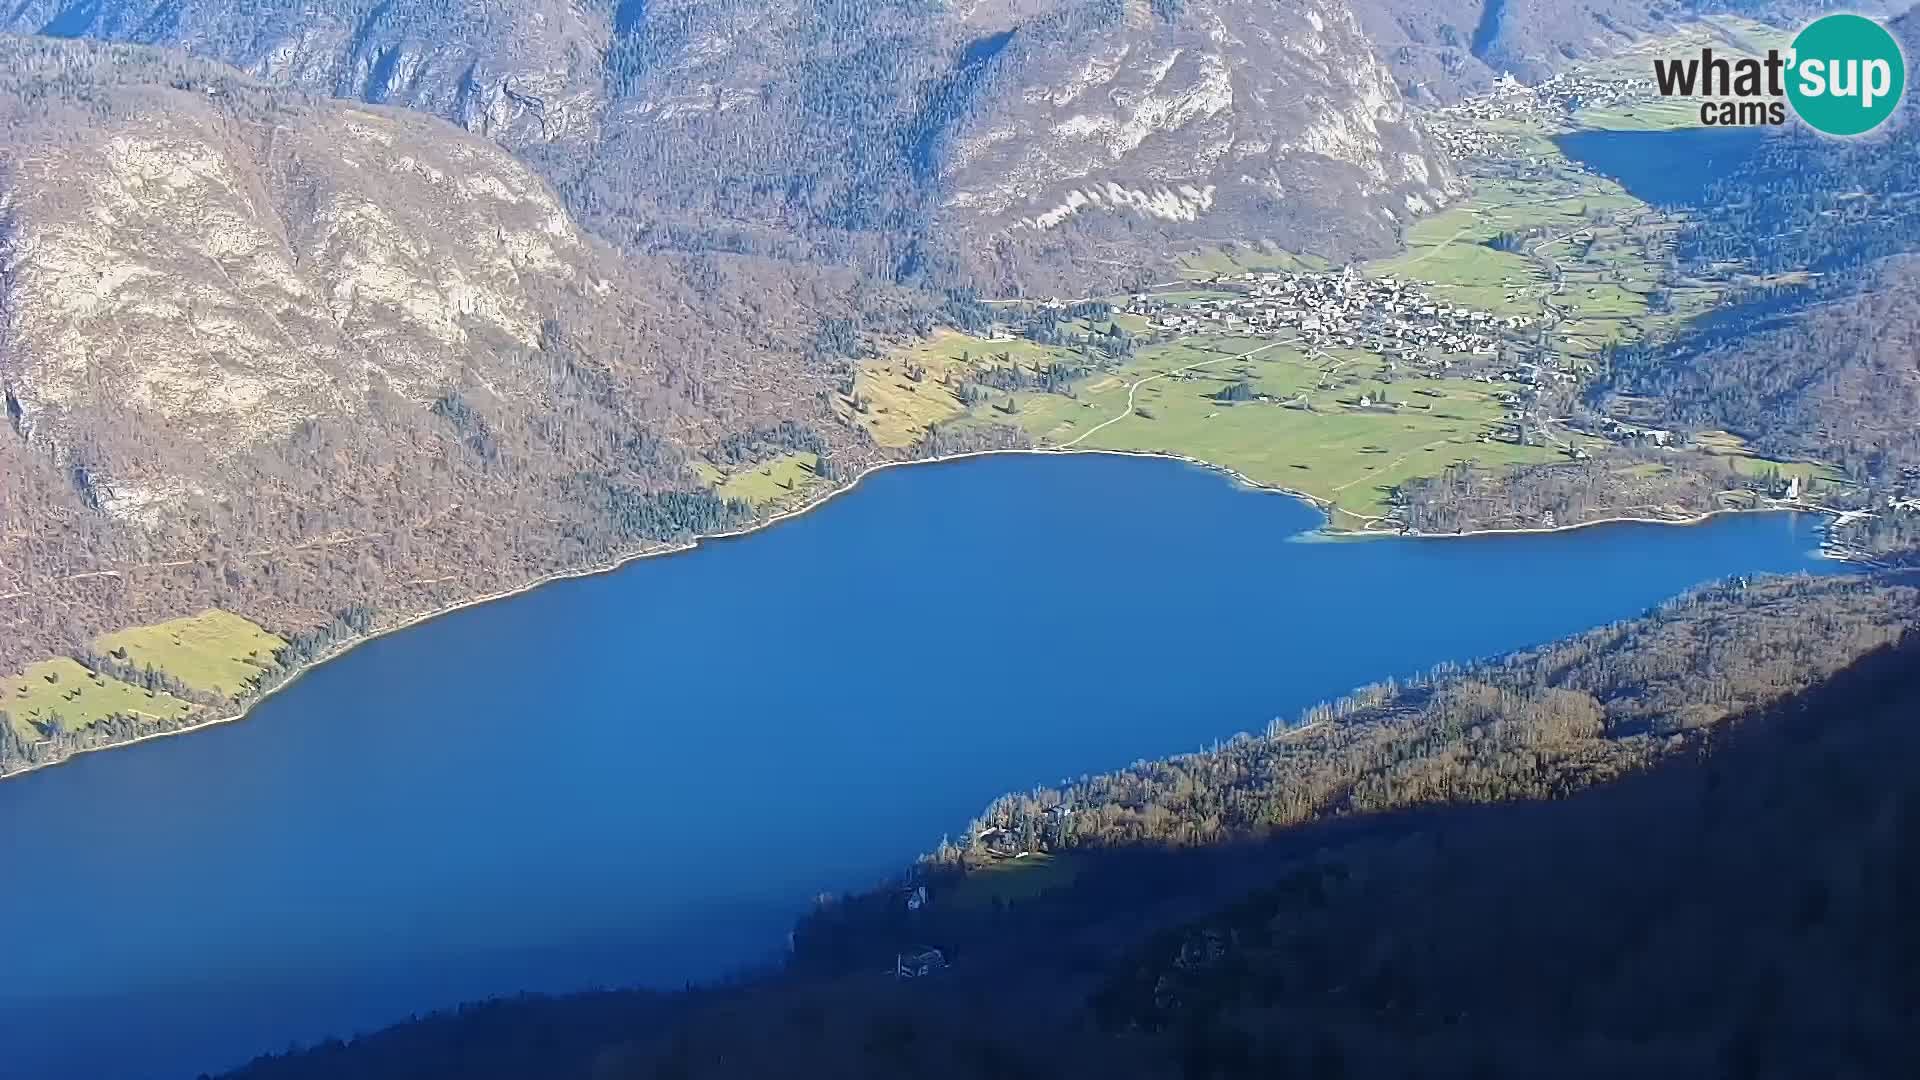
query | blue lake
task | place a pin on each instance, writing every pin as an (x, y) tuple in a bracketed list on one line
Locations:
[(1666, 167), (639, 778)]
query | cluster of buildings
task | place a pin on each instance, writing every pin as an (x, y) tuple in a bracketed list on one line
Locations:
[(1382, 315), (1621, 432), (1511, 99), (1459, 128), (1461, 141), (1571, 91)]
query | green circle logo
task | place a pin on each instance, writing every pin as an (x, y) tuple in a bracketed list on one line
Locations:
[(1847, 74)]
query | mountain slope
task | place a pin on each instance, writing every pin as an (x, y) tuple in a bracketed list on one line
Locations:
[(252, 262), (512, 70), (1014, 144), (1823, 361), (1139, 128), (900, 135), (286, 354)]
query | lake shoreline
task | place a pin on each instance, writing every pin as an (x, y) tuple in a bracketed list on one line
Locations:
[(1325, 530), (1331, 532)]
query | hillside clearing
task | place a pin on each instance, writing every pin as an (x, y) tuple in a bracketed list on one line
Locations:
[(64, 689), (215, 651)]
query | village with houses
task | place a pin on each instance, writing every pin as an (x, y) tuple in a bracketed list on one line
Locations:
[(1386, 316), (1462, 127), (1471, 128), (1331, 316)]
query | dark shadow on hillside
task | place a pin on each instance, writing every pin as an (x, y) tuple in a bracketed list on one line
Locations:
[(1742, 911)]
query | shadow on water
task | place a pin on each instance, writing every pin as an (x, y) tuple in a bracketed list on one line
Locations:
[(640, 778), (1332, 928), (1665, 168)]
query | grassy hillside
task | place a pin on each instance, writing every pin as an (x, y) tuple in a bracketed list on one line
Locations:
[(60, 693), (147, 680), (215, 651)]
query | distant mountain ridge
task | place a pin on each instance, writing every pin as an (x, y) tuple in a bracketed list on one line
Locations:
[(1218, 120), (899, 133), (1013, 144)]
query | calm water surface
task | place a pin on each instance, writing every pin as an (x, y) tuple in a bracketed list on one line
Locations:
[(1665, 168), (639, 778)]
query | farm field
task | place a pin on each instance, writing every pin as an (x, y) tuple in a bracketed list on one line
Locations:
[(1663, 114), (1592, 267), (1745, 461), (907, 393), (215, 651), (900, 409)]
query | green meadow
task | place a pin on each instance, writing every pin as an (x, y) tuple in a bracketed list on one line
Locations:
[(215, 651), (778, 480), (1589, 267), (62, 688), (1312, 434)]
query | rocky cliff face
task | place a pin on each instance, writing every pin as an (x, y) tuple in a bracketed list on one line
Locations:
[(190, 247), (239, 264), (876, 132), (245, 331), (895, 134), (1251, 120), (517, 71)]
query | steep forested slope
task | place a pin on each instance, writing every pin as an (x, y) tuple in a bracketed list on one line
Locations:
[(287, 355), (1828, 374), (1534, 725), (1826, 364)]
